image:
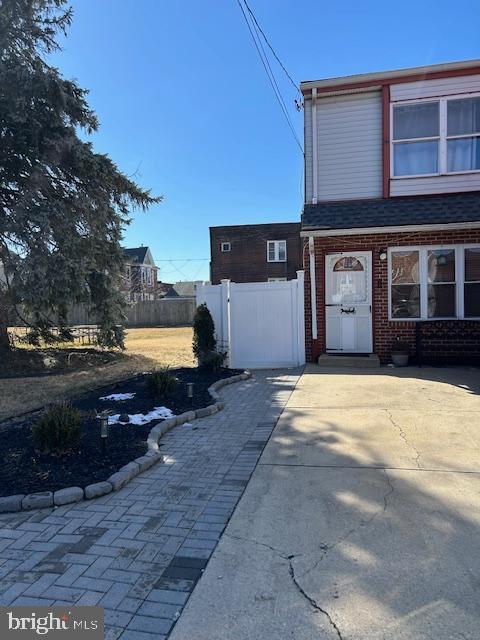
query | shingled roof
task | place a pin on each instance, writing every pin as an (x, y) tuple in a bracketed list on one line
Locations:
[(389, 212), (136, 254)]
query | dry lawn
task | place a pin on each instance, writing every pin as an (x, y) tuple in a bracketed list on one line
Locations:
[(145, 349)]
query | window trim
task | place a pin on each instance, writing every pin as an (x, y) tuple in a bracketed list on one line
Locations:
[(224, 244), (277, 250), (442, 136), (423, 276)]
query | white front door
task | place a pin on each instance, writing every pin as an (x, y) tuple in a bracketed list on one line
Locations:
[(348, 301)]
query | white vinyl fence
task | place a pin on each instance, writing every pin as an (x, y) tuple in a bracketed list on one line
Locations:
[(259, 324)]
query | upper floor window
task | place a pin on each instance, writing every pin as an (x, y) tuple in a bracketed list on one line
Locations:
[(436, 137), (225, 247), (463, 134), (277, 251)]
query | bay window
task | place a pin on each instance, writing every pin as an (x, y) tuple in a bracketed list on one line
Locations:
[(427, 283), (472, 282), (405, 290), (441, 283), (436, 137)]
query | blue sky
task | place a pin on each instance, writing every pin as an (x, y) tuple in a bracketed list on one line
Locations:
[(185, 105)]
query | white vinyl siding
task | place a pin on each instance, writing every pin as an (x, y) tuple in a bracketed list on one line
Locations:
[(349, 139), (434, 88), (435, 184)]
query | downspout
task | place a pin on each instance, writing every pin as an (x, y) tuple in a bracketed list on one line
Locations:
[(313, 287), (314, 147)]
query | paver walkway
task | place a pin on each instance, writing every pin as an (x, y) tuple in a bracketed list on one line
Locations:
[(139, 552)]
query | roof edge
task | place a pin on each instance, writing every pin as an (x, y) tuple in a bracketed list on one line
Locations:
[(318, 232), (386, 75)]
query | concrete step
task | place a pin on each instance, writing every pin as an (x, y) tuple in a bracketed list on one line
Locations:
[(357, 362)]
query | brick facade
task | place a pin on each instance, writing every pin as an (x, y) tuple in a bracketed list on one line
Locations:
[(456, 340), (247, 259)]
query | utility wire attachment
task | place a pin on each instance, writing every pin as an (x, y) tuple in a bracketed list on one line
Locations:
[(254, 32)]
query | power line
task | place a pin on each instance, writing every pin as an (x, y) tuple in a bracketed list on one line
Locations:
[(285, 110), (181, 259), (295, 85), (270, 76)]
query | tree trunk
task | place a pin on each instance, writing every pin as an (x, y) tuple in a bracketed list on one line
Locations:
[(4, 341)]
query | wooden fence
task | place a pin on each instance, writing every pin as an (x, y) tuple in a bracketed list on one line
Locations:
[(169, 312)]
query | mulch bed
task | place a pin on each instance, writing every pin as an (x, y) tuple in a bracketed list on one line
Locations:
[(25, 470), (24, 363)]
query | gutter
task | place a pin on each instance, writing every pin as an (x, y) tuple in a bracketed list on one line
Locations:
[(406, 228)]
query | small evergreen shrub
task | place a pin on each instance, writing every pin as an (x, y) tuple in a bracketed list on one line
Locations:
[(161, 382), (58, 429), (204, 341), (213, 361)]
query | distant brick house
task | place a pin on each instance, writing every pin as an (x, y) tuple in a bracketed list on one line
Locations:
[(140, 281), (391, 221), (255, 252)]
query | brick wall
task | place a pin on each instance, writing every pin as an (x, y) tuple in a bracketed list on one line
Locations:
[(247, 259), (464, 345)]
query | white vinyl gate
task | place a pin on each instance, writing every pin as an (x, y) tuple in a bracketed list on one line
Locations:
[(259, 324)]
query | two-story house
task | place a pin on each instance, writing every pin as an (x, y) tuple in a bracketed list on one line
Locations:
[(391, 221), (140, 279), (255, 252)]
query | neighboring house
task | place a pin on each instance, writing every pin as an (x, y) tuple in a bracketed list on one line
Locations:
[(255, 252), (140, 282), (184, 289), (391, 221), (163, 288)]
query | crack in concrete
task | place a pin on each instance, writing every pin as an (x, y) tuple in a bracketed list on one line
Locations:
[(404, 437), (289, 559), (313, 602), (261, 544), (350, 532), (325, 548)]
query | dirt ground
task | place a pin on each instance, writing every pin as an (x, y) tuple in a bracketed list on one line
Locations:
[(145, 349)]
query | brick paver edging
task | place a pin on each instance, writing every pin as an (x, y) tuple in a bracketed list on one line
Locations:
[(44, 499)]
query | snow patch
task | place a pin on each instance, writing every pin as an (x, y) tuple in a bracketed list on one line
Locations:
[(158, 413), (118, 396)]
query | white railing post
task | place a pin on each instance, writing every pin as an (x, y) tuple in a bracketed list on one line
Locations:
[(225, 341), (301, 317)]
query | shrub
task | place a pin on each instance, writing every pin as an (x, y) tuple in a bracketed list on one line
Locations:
[(213, 361), (161, 382), (203, 333), (58, 430)]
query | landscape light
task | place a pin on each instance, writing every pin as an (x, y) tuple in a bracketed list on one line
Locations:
[(103, 421)]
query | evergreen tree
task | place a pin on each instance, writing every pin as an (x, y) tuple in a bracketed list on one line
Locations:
[(63, 207), (204, 342)]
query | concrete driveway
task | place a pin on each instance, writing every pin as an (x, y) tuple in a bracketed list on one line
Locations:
[(362, 519)]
